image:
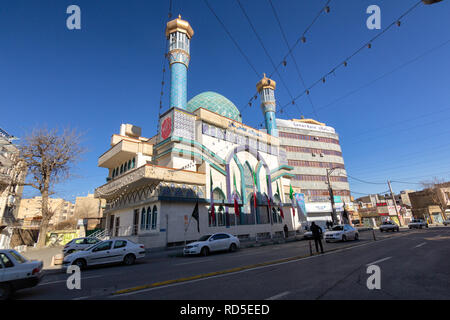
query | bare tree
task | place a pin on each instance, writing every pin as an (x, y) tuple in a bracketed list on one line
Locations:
[(49, 156), (436, 194)]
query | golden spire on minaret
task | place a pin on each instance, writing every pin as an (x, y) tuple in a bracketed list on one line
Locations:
[(266, 83), (180, 26)]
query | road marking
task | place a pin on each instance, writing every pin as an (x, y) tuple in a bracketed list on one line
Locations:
[(419, 245), (223, 273), (59, 281), (278, 296), (378, 261), (191, 262)]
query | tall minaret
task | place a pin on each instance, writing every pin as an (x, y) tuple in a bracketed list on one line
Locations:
[(266, 89), (179, 33)]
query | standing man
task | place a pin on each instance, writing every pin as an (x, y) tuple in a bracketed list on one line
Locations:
[(317, 235)]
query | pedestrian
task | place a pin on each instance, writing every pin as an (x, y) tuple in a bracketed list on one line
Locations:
[(286, 231), (317, 236)]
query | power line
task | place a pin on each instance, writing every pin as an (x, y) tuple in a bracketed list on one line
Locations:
[(302, 39), (363, 181), (386, 74), (264, 48), (291, 55), (345, 61), (231, 37)]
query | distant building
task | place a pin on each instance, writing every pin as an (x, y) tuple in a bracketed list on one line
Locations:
[(30, 211), (312, 148), (11, 179), (90, 209), (428, 207)]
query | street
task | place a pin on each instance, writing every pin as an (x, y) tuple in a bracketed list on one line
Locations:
[(413, 265)]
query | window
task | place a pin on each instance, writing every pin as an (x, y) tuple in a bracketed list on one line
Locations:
[(17, 256), (149, 218), (121, 168), (221, 236), (133, 163), (143, 219), (80, 241), (120, 244), (103, 246), (92, 241), (154, 217), (6, 261), (129, 164)]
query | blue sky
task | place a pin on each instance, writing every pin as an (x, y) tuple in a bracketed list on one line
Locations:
[(109, 73)]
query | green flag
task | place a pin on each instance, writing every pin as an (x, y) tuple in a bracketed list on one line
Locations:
[(291, 192), (234, 182), (278, 191)]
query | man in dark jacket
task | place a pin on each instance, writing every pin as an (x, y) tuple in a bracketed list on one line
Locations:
[(317, 236)]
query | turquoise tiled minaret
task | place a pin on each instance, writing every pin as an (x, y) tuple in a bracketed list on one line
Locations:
[(266, 89), (179, 34)]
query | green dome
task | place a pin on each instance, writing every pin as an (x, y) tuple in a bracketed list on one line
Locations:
[(216, 103)]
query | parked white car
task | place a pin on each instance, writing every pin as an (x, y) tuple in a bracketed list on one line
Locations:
[(418, 223), (341, 232), (308, 234), (106, 252), (446, 222), (17, 273), (389, 226), (210, 243), (79, 244)]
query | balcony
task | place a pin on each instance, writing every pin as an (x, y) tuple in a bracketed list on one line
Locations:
[(123, 151)]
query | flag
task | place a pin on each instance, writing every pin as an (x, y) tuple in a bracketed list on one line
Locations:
[(213, 216), (278, 191), (281, 213), (291, 195), (195, 216), (254, 191), (236, 207)]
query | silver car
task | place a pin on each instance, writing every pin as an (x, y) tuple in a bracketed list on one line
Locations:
[(105, 252), (342, 232), (389, 226), (79, 244)]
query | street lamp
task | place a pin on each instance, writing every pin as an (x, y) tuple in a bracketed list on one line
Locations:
[(330, 191)]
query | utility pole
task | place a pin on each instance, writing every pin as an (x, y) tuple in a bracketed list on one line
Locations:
[(395, 203), (330, 191)]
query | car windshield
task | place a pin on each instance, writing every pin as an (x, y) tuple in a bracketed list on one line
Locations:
[(204, 238), (338, 228), (90, 247), (19, 258)]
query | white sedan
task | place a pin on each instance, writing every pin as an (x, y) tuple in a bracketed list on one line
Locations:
[(389, 226), (342, 232), (17, 273), (210, 243), (105, 252), (79, 244)]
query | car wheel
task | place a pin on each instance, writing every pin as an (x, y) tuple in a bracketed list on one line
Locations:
[(426, 226), (344, 238), (129, 259), (5, 291), (327, 241), (381, 230), (356, 237), (233, 247), (204, 252), (81, 263)]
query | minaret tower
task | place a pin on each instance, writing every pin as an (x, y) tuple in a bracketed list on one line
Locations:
[(179, 34), (266, 89)]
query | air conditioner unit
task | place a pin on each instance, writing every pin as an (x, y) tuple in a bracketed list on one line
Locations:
[(313, 154)]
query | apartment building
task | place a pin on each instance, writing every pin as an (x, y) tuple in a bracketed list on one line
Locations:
[(314, 151)]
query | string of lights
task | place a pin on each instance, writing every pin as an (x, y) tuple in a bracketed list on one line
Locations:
[(345, 62), (265, 49), (301, 39), (291, 55)]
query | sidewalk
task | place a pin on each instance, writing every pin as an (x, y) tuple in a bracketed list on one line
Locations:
[(44, 254)]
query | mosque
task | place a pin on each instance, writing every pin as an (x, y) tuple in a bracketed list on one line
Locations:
[(205, 156)]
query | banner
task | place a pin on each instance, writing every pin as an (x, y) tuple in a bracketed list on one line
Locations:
[(300, 198)]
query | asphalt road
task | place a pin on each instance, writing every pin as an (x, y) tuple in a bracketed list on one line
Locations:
[(414, 264)]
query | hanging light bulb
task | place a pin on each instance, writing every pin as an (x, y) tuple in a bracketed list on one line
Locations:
[(293, 102), (399, 23), (284, 63), (369, 45), (303, 39), (307, 92), (345, 63), (323, 80), (327, 9)]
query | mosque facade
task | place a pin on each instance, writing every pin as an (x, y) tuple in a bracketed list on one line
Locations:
[(203, 157)]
